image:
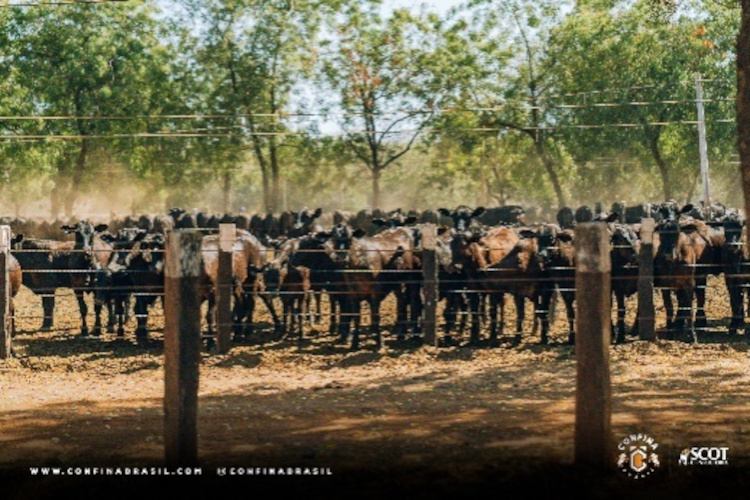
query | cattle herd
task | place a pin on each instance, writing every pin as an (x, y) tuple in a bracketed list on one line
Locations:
[(288, 261)]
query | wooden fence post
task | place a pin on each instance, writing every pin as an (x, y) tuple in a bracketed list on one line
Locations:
[(182, 345), (227, 236), (429, 284), (646, 328), (6, 351), (593, 426)]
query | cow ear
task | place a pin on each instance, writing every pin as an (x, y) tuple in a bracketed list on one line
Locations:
[(444, 211), (109, 238), (101, 227), (139, 236), (477, 212), (613, 217), (318, 212), (441, 230), (410, 220), (68, 229), (358, 233), (563, 236), (17, 238), (379, 222), (526, 233), (687, 208)]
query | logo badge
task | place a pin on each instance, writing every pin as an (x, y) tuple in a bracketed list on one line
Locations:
[(638, 456), (704, 455)]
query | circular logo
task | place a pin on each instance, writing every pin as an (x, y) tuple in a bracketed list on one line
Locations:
[(637, 455)]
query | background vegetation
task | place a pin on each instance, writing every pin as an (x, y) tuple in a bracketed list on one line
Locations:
[(273, 104)]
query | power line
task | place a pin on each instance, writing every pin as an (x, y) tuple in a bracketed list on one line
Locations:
[(55, 137), (58, 2)]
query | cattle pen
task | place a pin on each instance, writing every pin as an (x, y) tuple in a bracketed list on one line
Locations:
[(184, 326)]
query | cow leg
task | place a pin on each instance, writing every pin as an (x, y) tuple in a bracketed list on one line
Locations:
[(238, 315), (474, 306), (700, 296), (302, 307), (449, 315), (97, 331), (347, 307), (620, 299), (685, 311), (401, 314), (666, 296), (111, 315), (211, 318), (736, 304), (334, 314), (497, 303), (268, 301), (520, 302), (569, 298), (375, 322), (119, 306), (48, 306), (83, 308), (542, 305), (141, 317), (248, 320)]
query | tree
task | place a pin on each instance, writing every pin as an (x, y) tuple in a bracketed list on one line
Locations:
[(89, 63), (383, 72), (251, 55), (511, 97), (638, 104)]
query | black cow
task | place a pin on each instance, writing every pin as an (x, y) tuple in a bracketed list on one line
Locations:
[(735, 262), (462, 216), (52, 264), (566, 218), (141, 269), (505, 215), (113, 283)]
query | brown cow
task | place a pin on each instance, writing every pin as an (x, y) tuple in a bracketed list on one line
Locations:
[(248, 259), (686, 251), (367, 277), (503, 261)]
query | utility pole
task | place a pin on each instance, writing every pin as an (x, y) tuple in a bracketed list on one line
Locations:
[(702, 146)]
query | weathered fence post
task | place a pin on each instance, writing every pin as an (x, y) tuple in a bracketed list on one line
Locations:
[(646, 328), (182, 345), (429, 284), (227, 235), (593, 431), (5, 295)]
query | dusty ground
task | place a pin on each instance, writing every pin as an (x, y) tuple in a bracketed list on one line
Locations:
[(418, 422)]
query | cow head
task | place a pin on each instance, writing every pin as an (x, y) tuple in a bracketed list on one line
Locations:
[(84, 232), (669, 239), (304, 218), (462, 216), (625, 245)]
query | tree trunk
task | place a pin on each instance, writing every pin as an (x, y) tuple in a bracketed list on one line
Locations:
[(227, 192), (666, 182), (743, 101), (275, 182), (77, 179), (376, 173), (549, 166), (54, 202)]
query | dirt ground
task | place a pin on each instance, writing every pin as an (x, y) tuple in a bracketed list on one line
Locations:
[(414, 421)]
